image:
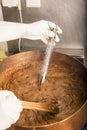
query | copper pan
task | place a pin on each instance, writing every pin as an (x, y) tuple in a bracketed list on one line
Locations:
[(75, 121)]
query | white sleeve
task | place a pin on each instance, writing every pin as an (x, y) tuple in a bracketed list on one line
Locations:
[(11, 31)]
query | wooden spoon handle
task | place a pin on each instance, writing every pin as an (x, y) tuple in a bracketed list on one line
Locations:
[(36, 106)]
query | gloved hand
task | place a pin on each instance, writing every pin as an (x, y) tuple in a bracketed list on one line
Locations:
[(35, 31), (10, 108), (41, 31)]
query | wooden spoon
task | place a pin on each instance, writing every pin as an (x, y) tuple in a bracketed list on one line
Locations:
[(53, 108)]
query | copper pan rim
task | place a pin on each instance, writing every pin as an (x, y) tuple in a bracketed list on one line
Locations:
[(59, 122), (73, 119)]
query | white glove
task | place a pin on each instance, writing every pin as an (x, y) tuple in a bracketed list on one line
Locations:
[(11, 30), (10, 108), (36, 31), (40, 31)]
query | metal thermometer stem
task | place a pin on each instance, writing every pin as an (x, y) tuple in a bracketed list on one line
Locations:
[(48, 54)]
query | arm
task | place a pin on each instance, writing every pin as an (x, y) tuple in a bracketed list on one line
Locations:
[(34, 31), (11, 31)]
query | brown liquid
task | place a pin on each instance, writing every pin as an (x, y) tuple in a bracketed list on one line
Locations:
[(61, 87)]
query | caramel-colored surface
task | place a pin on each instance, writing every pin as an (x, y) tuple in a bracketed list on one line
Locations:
[(65, 85)]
